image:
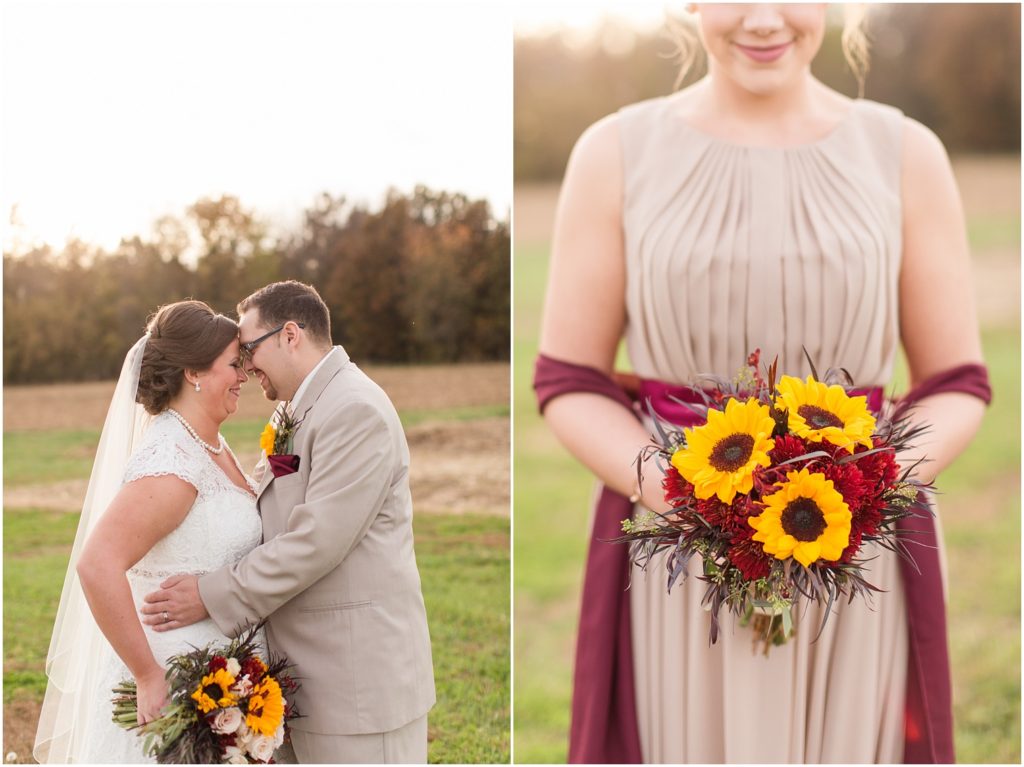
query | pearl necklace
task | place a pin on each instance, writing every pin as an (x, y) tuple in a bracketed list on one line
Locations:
[(196, 437)]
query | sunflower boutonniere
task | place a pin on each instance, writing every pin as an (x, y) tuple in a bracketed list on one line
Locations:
[(277, 440)]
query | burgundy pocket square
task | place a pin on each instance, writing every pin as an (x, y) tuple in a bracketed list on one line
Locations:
[(283, 465)]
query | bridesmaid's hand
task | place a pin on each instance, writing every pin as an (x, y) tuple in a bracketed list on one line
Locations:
[(152, 694), (653, 497)]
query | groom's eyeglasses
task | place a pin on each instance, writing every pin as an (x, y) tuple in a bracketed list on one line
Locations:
[(249, 346)]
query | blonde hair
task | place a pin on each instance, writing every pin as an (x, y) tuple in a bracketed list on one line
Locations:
[(855, 42), (690, 53)]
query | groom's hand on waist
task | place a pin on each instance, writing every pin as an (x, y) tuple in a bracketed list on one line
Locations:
[(175, 604)]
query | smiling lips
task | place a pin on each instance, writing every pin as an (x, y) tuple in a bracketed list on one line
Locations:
[(764, 54)]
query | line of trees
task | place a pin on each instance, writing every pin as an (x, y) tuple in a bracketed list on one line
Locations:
[(424, 279), (954, 67)]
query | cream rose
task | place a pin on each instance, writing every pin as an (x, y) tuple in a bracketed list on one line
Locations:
[(243, 687), (233, 667), (244, 735), (262, 748), (227, 720)]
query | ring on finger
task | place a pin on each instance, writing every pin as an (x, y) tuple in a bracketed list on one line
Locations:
[(167, 617)]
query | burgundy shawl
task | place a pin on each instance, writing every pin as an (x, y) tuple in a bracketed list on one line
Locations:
[(604, 726)]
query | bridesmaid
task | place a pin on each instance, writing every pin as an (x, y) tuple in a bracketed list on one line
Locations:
[(757, 208)]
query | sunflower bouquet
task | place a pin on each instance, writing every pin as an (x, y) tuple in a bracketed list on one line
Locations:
[(778, 491), (227, 706)]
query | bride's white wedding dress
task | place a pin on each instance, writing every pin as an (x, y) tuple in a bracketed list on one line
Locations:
[(220, 528)]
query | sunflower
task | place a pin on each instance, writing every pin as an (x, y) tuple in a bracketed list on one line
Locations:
[(720, 457), (819, 412), (215, 691), (266, 707), (807, 519), (267, 439)]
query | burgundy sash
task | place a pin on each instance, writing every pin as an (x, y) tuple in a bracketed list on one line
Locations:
[(604, 726)]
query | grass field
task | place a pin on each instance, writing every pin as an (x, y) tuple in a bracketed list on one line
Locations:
[(463, 557), (54, 455), (980, 502)]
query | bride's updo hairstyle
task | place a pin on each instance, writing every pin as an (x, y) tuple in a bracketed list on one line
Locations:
[(187, 335)]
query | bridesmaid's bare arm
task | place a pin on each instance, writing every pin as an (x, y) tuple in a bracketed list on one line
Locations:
[(585, 310), (938, 320)]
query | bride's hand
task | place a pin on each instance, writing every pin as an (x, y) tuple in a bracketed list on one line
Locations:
[(152, 695)]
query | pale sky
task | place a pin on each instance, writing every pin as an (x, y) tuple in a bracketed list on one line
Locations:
[(114, 113)]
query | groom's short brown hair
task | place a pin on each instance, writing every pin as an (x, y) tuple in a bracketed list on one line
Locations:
[(280, 302)]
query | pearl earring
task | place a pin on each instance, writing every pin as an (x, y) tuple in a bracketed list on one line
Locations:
[(197, 385)]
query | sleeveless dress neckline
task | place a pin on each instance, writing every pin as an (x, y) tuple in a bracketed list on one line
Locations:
[(729, 249), (834, 133)]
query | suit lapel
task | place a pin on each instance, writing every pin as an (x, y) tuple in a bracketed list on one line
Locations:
[(268, 475), (337, 358)]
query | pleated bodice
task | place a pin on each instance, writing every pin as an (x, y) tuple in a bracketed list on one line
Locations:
[(731, 248)]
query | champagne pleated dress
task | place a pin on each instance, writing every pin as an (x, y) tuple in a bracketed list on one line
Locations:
[(731, 248)]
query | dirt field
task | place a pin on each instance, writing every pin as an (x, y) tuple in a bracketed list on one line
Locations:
[(427, 387), (457, 465)]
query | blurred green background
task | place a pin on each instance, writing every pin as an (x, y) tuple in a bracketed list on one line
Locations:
[(965, 85)]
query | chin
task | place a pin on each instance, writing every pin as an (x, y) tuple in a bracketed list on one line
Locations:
[(765, 82)]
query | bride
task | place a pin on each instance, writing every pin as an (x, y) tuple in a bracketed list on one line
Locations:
[(166, 496)]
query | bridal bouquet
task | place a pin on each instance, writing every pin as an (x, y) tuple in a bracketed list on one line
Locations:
[(227, 706), (778, 491)]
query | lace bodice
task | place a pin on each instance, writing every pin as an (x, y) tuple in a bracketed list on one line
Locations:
[(221, 527)]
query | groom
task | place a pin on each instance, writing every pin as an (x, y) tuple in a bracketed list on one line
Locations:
[(336, 574)]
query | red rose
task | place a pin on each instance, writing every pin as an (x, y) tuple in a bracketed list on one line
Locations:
[(217, 662)]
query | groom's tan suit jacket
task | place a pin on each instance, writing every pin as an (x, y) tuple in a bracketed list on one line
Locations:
[(336, 574)]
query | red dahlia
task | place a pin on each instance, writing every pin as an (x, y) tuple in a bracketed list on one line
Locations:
[(749, 557), (676, 488), (786, 447), (731, 518), (864, 522), (849, 482), (879, 468), (253, 668), (217, 662)]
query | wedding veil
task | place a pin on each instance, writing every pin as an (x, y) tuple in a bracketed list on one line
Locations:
[(77, 643)]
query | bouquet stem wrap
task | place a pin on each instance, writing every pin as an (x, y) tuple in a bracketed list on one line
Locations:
[(604, 726)]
